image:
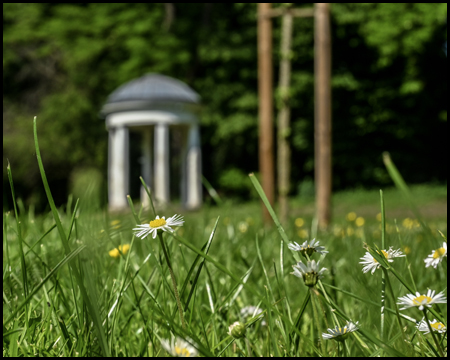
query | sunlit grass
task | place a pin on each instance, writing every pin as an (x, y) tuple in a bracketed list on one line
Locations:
[(225, 261)]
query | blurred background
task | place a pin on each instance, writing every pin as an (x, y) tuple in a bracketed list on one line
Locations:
[(61, 61)]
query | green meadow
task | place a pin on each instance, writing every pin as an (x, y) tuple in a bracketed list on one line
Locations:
[(77, 281)]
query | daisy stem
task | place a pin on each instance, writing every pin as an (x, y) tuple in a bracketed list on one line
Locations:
[(395, 305), (316, 315), (174, 283), (432, 333), (335, 320)]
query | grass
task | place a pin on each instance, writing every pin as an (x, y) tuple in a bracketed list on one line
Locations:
[(65, 295)]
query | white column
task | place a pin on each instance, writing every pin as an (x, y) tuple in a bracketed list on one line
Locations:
[(118, 168), (162, 177), (193, 169), (146, 164), (183, 154)]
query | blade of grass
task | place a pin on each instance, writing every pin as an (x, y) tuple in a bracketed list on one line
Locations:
[(271, 328), (395, 306), (66, 259), (40, 239), (212, 192), (441, 353), (368, 335), (5, 241), (229, 273), (92, 307), (408, 264), (403, 187), (258, 251), (383, 273), (73, 219), (266, 202), (238, 288), (147, 190), (301, 312), (205, 248), (368, 301), (19, 235)]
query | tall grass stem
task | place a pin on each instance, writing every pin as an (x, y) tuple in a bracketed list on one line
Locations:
[(433, 335), (174, 283), (383, 273)]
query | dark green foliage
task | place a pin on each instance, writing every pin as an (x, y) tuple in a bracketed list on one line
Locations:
[(61, 61)]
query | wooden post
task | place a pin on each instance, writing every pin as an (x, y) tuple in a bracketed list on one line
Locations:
[(266, 162), (284, 130), (322, 113)]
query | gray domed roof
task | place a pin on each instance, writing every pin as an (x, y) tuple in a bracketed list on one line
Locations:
[(148, 90)]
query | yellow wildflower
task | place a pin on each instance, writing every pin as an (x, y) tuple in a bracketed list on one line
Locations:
[(115, 253), (351, 216)]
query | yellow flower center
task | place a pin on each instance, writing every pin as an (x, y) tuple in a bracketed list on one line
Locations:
[(386, 255), (343, 334), (182, 351), (437, 326), (419, 300), (438, 253), (157, 223)]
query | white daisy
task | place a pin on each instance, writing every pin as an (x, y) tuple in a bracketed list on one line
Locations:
[(340, 333), (436, 256), (309, 249), (435, 325), (142, 231), (179, 347), (421, 301), (370, 264), (309, 273)]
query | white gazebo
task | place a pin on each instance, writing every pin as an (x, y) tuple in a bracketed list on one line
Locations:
[(153, 105)]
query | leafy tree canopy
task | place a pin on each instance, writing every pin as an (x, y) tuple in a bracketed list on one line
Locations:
[(61, 61)]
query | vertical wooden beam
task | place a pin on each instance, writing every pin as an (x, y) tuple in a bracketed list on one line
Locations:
[(265, 84), (284, 114), (322, 113)]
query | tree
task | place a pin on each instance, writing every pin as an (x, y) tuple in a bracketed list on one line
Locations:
[(61, 61)]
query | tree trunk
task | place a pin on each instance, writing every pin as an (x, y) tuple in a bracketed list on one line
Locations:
[(265, 85), (284, 130), (322, 126)]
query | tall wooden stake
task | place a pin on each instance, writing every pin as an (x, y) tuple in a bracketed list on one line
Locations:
[(266, 163), (322, 113), (284, 150)]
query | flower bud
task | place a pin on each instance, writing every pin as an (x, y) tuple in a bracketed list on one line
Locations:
[(307, 251), (310, 278), (236, 330)]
